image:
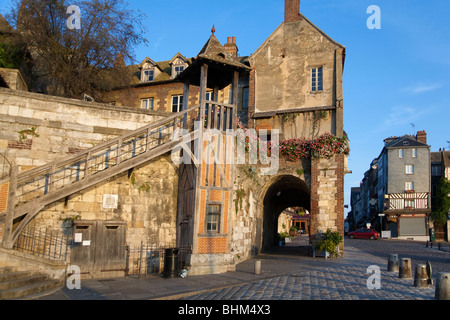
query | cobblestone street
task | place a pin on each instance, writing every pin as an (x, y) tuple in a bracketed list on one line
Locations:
[(287, 273), (340, 279)]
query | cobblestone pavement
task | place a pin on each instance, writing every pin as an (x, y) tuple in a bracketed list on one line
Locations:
[(341, 279), (288, 274)]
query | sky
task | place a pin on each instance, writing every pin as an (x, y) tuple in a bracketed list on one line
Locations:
[(396, 79)]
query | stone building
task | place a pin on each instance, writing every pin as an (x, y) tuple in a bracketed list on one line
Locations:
[(398, 185), (113, 164)]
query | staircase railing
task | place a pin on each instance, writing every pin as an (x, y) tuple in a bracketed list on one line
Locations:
[(56, 175), (5, 168), (38, 187)]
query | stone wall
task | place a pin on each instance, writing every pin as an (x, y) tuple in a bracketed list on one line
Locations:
[(36, 129)]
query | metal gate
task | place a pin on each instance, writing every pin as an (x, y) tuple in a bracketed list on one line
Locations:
[(99, 248)]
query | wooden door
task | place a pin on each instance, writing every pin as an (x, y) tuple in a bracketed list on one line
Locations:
[(99, 248)]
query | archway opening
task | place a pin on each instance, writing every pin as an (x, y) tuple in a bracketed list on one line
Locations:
[(286, 193)]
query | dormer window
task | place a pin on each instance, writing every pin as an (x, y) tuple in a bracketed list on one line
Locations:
[(148, 75), (149, 70), (178, 70), (178, 64)]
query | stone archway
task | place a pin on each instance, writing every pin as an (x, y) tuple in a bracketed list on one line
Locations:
[(283, 192)]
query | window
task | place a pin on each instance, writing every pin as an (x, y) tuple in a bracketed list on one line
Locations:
[(213, 218), (178, 70), (245, 96), (317, 79), (148, 75), (147, 104), (436, 170), (409, 204), (177, 103), (400, 153), (414, 153), (409, 169), (409, 186)]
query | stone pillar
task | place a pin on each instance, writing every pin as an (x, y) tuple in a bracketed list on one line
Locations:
[(393, 263), (405, 269)]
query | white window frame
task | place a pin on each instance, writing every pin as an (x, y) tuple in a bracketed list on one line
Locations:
[(317, 79), (414, 153), (409, 169), (400, 153), (147, 103), (409, 203), (178, 69), (409, 186), (148, 75), (179, 104)]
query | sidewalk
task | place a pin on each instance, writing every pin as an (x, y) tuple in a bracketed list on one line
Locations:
[(285, 276)]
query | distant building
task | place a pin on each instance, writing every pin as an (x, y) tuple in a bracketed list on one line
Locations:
[(397, 186)]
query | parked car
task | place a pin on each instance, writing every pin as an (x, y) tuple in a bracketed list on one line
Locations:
[(364, 233)]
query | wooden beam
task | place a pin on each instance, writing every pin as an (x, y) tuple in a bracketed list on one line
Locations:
[(10, 206)]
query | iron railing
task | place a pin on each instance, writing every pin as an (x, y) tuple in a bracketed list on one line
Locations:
[(44, 243), (148, 259)]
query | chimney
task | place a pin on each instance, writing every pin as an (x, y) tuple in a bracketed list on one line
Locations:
[(231, 47), (291, 10), (422, 137)]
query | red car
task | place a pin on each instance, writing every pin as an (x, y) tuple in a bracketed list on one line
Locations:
[(364, 233)]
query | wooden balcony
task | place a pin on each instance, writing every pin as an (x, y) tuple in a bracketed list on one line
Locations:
[(408, 202)]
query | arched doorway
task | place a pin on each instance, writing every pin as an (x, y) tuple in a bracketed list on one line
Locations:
[(284, 192)]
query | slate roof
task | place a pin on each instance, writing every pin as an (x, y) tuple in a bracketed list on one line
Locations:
[(446, 158), (404, 142)]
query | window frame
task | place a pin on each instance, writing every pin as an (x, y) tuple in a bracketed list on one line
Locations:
[(148, 100), (317, 79), (409, 166), (210, 225), (409, 186), (401, 153), (146, 77), (179, 104)]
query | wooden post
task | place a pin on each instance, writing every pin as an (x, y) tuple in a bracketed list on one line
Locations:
[(8, 233), (185, 102), (235, 89)]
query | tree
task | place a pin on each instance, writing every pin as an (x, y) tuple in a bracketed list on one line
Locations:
[(440, 212), (75, 61)]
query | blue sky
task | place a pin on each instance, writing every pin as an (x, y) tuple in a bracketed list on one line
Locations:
[(396, 79)]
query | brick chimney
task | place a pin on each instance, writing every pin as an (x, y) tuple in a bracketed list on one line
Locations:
[(292, 10), (231, 47), (422, 137)]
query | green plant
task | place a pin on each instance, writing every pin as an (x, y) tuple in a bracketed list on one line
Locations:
[(238, 201), (70, 220), (24, 133), (329, 242), (293, 228), (144, 187), (283, 235)]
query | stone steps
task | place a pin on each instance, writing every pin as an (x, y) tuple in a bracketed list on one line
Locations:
[(24, 284)]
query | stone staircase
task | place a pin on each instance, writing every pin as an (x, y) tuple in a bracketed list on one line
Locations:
[(25, 285)]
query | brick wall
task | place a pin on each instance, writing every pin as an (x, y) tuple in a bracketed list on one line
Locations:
[(4, 196), (291, 10)]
